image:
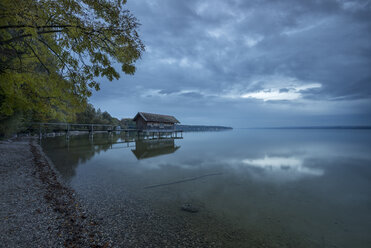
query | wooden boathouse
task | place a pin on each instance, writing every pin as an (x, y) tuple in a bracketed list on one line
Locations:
[(149, 121)]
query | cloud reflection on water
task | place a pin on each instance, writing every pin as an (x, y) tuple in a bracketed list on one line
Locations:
[(282, 168)]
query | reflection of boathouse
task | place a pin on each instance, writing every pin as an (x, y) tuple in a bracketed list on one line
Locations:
[(147, 148), (148, 121)]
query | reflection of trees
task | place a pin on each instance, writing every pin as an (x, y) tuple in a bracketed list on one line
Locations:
[(148, 148), (68, 154)]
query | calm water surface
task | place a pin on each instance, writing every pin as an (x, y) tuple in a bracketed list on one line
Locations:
[(282, 188)]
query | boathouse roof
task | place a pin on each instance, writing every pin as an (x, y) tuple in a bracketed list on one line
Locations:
[(156, 118)]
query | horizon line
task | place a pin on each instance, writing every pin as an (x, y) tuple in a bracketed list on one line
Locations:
[(313, 127)]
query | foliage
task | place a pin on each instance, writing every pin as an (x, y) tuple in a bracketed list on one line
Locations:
[(128, 123), (47, 97), (83, 37), (91, 115), (11, 125), (51, 52)]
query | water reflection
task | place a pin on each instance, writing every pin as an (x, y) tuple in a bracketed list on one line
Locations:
[(68, 154), (288, 188), (283, 168), (147, 148)]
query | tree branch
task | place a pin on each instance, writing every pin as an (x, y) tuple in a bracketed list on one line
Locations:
[(33, 51), (56, 54), (28, 35), (38, 27)]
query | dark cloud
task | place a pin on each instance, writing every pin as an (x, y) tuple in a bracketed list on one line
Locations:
[(167, 91), (192, 94), (287, 59), (284, 90)]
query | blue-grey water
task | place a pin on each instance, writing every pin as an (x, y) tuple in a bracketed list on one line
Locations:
[(280, 188)]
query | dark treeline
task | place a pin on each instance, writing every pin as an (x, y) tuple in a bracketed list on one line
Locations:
[(21, 122), (88, 115), (95, 116), (91, 115), (195, 128)]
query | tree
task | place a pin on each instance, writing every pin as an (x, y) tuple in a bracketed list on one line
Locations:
[(90, 115), (51, 52), (87, 116), (127, 123)]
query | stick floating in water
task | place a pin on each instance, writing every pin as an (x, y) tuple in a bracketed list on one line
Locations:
[(183, 180)]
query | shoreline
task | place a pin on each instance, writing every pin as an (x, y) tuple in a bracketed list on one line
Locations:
[(37, 207)]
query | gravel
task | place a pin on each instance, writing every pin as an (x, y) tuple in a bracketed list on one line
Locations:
[(37, 209)]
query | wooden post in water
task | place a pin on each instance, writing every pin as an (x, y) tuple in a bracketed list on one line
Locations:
[(91, 130), (68, 132), (40, 132)]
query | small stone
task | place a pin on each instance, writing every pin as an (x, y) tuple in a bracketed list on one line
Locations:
[(187, 207)]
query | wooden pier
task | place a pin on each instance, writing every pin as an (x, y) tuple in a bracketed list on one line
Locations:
[(58, 127), (67, 128)]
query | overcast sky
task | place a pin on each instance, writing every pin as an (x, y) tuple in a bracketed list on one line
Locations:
[(249, 63)]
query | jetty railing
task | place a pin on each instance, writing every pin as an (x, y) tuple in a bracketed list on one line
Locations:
[(44, 128)]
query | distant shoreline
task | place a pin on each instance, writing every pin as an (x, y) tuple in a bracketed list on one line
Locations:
[(311, 127), (193, 128)]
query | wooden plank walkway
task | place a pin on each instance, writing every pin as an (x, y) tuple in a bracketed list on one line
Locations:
[(43, 128), (61, 126)]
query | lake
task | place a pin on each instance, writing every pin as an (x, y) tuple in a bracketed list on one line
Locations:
[(263, 187)]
